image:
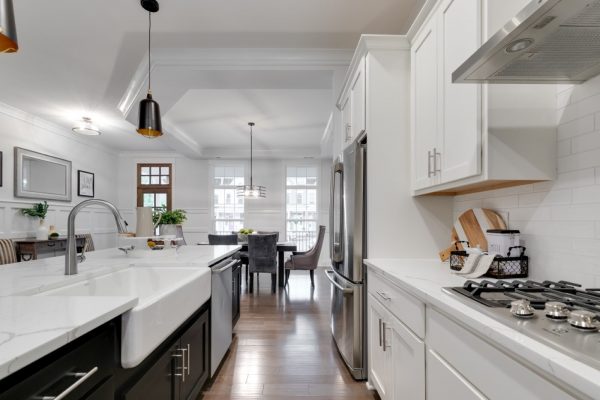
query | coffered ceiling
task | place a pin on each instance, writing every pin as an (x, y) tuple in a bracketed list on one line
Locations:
[(217, 64)]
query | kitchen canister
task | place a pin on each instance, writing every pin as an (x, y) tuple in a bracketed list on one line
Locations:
[(501, 240)]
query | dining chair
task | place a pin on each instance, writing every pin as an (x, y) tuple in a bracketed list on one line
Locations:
[(262, 258), (307, 260), (222, 239), (268, 233), (8, 252)]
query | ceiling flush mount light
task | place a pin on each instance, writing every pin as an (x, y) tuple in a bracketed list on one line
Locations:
[(8, 29), (251, 191), (519, 45), (86, 127), (149, 125)]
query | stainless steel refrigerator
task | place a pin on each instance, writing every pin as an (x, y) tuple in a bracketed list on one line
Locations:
[(348, 249)]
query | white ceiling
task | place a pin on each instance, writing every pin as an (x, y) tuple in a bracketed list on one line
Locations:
[(78, 58)]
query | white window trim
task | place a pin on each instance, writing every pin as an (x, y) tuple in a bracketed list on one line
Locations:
[(212, 187), (303, 164)]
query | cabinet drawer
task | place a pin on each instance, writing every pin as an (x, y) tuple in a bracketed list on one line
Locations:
[(404, 306), (493, 372), (83, 367), (444, 382)]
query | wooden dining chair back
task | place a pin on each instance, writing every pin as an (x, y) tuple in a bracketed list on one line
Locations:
[(8, 252), (308, 260), (222, 239), (262, 257)]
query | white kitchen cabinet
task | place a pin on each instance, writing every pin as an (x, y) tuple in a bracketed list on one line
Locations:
[(473, 137), (408, 362), (459, 156), (444, 382), (396, 353), (380, 358), (357, 100), (425, 98)]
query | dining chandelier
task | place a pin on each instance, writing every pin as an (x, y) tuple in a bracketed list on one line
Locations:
[(251, 191)]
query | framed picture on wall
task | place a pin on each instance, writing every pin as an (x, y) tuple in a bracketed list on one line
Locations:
[(85, 184)]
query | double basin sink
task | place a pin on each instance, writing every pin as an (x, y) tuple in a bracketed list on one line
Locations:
[(167, 297)]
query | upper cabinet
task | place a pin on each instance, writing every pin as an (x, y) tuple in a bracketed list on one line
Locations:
[(473, 137), (352, 104)]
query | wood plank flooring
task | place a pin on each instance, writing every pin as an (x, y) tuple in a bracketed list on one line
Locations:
[(283, 348)]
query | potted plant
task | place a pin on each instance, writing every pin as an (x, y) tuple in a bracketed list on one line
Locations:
[(169, 221), (243, 234), (38, 210)]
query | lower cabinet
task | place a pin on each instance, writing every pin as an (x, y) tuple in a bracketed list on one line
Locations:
[(82, 370), (396, 356), (444, 382), (179, 371)]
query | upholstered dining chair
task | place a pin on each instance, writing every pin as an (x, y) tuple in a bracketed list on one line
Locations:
[(8, 252), (308, 260), (262, 258), (222, 239), (268, 233)]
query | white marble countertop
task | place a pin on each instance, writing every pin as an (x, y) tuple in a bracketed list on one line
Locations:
[(425, 280), (32, 327)]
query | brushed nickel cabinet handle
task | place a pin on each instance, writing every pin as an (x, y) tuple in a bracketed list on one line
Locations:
[(379, 332), (83, 376)]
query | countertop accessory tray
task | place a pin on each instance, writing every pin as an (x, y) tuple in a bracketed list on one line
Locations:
[(501, 268)]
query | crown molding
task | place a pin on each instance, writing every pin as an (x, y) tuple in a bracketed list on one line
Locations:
[(228, 59), (50, 127)]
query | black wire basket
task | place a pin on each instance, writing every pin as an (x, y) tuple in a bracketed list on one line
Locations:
[(501, 268)]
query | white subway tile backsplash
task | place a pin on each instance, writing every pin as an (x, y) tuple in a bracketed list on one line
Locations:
[(577, 127), (560, 220)]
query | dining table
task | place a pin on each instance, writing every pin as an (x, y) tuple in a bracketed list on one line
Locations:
[(282, 247)]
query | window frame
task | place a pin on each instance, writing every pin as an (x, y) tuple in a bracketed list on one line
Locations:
[(317, 166), (166, 189), (213, 187)]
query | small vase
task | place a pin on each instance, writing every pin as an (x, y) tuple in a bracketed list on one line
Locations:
[(42, 231), (168, 230)]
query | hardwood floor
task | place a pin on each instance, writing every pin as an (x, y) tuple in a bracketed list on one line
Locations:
[(283, 348)]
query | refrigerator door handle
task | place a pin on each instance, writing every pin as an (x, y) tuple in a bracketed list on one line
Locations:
[(344, 290), (337, 246)]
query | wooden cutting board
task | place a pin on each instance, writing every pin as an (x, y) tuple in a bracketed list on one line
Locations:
[(471, 226)]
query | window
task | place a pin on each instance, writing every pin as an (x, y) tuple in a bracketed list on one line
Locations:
[(154, 186), (228, 209), (301, 206)]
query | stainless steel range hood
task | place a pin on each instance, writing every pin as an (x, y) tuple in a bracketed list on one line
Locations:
[(549, 41)]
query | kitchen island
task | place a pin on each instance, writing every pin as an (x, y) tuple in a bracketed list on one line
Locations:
[(43, 312)]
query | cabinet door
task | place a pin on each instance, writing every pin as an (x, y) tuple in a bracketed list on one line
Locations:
[(408, 363), (444, 382), (161, 380), (425, 105), (195, 344), (459, 36), (380, 373), (358, 101), (346, 121)]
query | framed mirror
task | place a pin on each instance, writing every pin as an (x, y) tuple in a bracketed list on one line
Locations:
[(40, 176)]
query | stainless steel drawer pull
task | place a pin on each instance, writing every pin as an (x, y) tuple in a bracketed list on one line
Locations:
[(384, 346), (384, 296), (183, 367), (379, 332), (189, 363), (83, 376)]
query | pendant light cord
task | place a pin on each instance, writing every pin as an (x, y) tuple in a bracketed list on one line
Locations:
[(250, 155), (149, 52)]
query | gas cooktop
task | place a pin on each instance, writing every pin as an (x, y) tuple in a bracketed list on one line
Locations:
[(559, 314)]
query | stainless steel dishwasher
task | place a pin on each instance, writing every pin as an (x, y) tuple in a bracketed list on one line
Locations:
[(220, 311)]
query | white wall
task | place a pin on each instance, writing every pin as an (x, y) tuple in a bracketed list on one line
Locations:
[(192, 191), (23, 130), (560, 220)]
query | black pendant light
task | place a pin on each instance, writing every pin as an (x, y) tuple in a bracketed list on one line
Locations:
[(251, 191), (8, 29), (149, 124)]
